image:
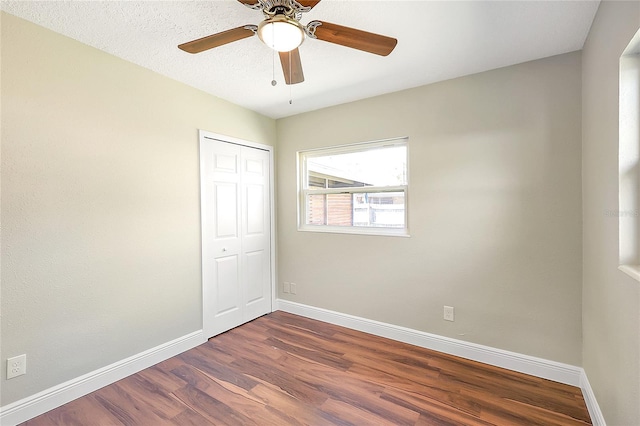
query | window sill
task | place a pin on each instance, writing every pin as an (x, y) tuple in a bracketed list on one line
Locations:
[(384, 232), (632, 270)]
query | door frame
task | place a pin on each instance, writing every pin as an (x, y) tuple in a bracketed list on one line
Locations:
[(204, 136)]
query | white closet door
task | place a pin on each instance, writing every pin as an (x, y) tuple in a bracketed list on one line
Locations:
[(236, 240), (256, 238)]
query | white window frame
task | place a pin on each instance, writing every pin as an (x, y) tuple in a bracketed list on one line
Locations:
[(629, 161), (303, 190)]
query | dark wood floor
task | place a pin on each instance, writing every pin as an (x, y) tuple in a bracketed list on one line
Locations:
[(283, 369)]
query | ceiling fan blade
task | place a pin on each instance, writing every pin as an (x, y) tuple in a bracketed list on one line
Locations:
[(356, 39), (291, 66), (309, 3), (218, 39), (250, 2)]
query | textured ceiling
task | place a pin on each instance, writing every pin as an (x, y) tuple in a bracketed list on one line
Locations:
[(437, 40)]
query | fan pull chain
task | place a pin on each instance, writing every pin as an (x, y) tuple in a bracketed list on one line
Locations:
[(273, 62), (291, 80), (273, 70)]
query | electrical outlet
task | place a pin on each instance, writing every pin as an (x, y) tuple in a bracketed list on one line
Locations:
[(16, 366), (448, 313), (294, 288), (286, 287)]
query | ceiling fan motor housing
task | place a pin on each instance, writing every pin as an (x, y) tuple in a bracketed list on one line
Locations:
[(290, 8)]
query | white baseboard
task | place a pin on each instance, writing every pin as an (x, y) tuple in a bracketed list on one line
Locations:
[(597, 419), (538, 367), (32, 406)]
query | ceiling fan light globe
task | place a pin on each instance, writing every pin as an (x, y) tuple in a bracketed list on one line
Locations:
[(281, 33)]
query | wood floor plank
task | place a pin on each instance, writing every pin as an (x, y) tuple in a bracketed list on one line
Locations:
[(433, 410), (189, 418), (197, 358), (214, 411), (363, 394), (283, 369), (162, 376), (127, 409), (151, 395), (241, 400), (86, 411)]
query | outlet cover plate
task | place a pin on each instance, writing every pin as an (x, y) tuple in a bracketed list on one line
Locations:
[(16, 366), (449, 313)]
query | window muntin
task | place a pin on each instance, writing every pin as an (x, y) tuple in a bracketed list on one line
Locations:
[(359, 188)]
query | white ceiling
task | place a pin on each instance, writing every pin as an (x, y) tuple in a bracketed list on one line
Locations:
[(437, 40)]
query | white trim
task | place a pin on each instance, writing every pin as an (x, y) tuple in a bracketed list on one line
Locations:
[(34, 405), (356, 230), (357, 146), (355, 190), (597, 419), (551, 370), (632, 270), (204, 134)]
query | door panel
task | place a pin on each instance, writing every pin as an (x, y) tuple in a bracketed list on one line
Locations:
[(226, 162), (236, 240), (226, 195), (254, 270), (255, 166), (227, 284), (255, 213)]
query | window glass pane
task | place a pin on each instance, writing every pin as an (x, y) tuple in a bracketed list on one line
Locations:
[(317, 181), (316, 209), (379, 166), (339, 210), (369, 209), (381, 209), (330, 209)]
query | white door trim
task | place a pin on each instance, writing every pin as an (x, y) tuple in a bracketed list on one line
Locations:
[(204, 135)]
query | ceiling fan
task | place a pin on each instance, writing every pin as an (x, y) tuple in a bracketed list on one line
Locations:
[(281, 30)]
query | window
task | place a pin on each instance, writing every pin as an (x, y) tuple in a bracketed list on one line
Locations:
[(358, 189), (629, 159)]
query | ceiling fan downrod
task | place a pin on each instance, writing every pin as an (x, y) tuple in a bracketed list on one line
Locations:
[(290, 8)]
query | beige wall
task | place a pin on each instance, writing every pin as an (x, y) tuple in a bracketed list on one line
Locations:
[(100, 205), (611, 299), (495, 211)]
